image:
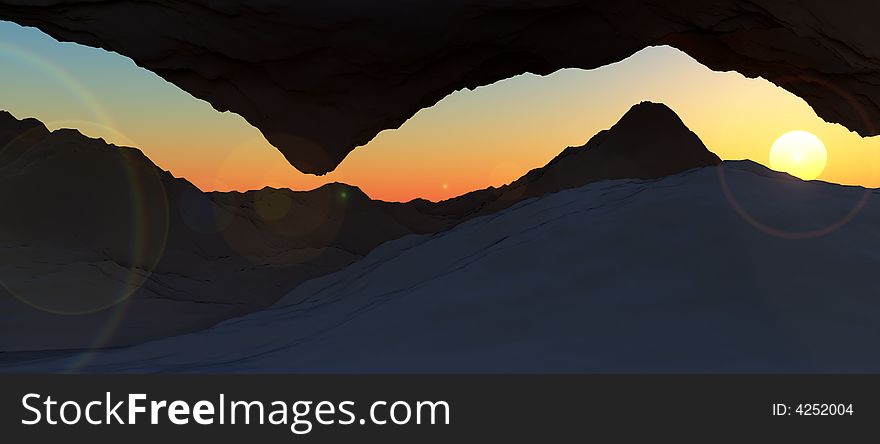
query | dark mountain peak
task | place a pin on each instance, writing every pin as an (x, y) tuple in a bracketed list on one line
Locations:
[(17, 135), (648, 112), (648, 142), (12, 128), (340, 189), (8, 123), (648, 131)]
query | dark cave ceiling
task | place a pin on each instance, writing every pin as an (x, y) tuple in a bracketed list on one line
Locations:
[(321, 78)]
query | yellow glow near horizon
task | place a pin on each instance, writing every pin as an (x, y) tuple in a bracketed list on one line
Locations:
[(799, 153)]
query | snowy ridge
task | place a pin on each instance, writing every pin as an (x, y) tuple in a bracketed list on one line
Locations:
[(616, 276)]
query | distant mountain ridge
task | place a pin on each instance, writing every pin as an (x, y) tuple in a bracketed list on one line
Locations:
[(648, 142), (93, 222)]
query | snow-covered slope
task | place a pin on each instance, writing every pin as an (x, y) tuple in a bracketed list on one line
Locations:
[(624, 275)]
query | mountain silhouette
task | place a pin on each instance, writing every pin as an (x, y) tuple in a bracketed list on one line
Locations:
[(648, 142), (101, 243), (87, 224)]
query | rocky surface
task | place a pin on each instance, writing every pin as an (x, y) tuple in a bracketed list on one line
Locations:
[(320, 78), (99, 247), (654, 275), (649, 141)]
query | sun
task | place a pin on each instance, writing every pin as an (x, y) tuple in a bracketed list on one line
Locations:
[(799, 153)]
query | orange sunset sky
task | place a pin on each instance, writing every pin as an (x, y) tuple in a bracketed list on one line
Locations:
[(470, 140)]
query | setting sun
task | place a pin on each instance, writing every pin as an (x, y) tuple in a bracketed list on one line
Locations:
[(799, 153)]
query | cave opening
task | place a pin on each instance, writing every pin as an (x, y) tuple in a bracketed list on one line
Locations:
[(472, 139)]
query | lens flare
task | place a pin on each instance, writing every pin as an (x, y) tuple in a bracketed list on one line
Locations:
[(63, 259), (62, 76)]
